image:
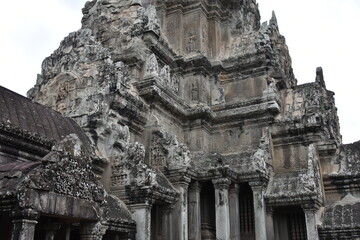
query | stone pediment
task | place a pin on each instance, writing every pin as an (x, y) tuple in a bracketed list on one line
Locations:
[(63, 184), (64, 176), (297, 186), (67, 170)]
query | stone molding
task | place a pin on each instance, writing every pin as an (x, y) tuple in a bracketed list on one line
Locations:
[(195, 186), (221, 183), (234, 188), (92, 231), (28, 213)]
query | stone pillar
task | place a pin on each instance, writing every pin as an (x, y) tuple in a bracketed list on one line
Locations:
[(67, 232), (51, 230), (92, 231), (311, 226), (259, 210), (141, 213), (194, 211), (221, 186), (234, 212), (180, 211), (23, 224), (270, 223), (166, 222)]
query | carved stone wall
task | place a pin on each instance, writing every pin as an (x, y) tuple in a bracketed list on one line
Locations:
[(193, 90)]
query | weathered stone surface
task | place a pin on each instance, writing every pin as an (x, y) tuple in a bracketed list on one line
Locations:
[(172, 92)]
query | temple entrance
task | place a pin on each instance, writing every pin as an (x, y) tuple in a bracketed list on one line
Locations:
[(207, 198), (56, 228), (246, 207), (289, 223)]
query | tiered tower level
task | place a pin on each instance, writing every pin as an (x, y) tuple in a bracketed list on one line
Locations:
[(195, 108)]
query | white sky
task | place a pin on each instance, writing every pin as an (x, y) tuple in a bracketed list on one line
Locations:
[(318, 32)]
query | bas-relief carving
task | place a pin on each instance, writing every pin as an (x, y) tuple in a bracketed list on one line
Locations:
[(151, 67), (153, 22), (163, 75), (175, 81), (117, 31), (63, 91), (166, 151), (157, 151), (194, 90), (190, 42), (204, 38), (217, 92)]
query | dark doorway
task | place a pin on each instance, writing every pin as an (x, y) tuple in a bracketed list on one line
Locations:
[(156, 222), (207, 203), (5, 226), (247, 218), (289, 223)]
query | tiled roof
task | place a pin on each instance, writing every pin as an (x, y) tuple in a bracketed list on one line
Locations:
[(22, 113)]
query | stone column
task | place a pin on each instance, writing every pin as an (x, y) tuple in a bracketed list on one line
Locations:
[(141, 213), (270, 223), (67, 232), (194, 211), (311, 226), (166, 222), (24, 222), (234, 212), (92, 231), (180, 211), (259, 210), (51, 230), (221, 186)]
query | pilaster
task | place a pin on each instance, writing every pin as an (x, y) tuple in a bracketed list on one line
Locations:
[(194, 211), (221, 186), (258, 189), (166, 221), (180, 181), (141, 213), (24, 222), (92, 231), (234, 213), (51, 230), (310, 219), (270, 223)]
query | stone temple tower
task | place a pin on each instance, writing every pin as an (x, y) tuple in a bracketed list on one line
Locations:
[(203, 131)]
